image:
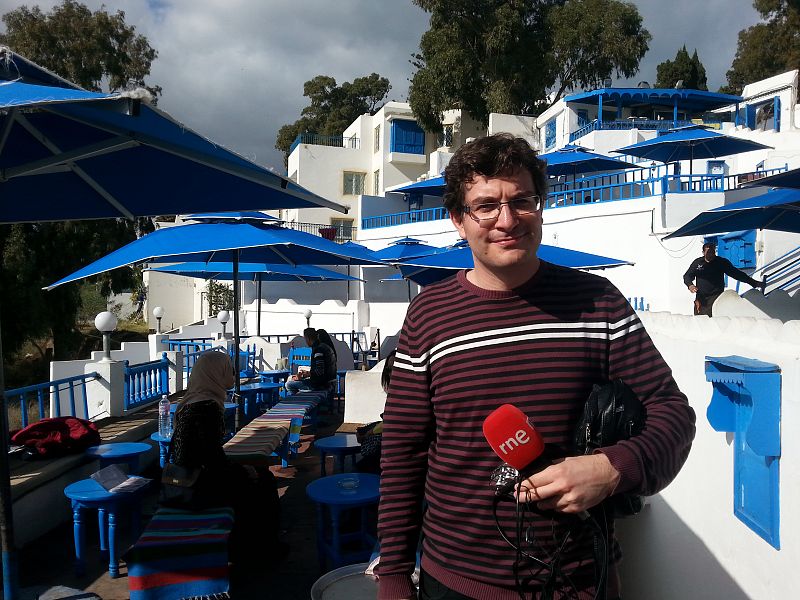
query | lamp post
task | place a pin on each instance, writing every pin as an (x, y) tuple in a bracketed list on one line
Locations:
[(223, 317), (106, 322), (158, 313), (307, 315)]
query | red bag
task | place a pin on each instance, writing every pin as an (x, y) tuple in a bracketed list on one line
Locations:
[(58, 436)]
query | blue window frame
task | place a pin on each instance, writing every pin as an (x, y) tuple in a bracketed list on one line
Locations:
[(746, 401), (407, 137)]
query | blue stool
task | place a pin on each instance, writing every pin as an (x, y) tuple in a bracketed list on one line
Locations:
[(339, 493), (88, 494)]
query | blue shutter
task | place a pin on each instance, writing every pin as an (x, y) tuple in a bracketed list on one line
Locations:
[(776, 118), (550, 134), (407, 137)]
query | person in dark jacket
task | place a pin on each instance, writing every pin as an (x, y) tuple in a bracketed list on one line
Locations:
[(706, 278), (322, 371)]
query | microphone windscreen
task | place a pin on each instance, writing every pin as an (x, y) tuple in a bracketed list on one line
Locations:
[(512, 437)]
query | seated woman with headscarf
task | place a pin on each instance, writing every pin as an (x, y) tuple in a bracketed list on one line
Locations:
[(197, 443)]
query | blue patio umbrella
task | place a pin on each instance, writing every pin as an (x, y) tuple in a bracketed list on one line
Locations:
[(258, 272), (571, 160), (778, 210), (688, 144), (73, 154), (403, 249), (432, 268), (69, 154)]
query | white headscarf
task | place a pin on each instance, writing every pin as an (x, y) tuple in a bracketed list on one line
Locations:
[(212, 376)]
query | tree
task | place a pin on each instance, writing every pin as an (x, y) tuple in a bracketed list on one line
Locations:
[(488, 56), (332, 108), (768, 48), (482, 56), (689, 70), (88, 48), (95, 50), (593, 39)]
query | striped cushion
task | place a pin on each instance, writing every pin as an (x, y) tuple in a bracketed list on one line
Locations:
[(257, 440), (181, 554)]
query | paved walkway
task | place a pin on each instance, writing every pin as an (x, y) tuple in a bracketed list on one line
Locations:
[(48, 562)]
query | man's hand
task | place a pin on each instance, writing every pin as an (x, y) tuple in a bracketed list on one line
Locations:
[(571, 485), (693, 288)]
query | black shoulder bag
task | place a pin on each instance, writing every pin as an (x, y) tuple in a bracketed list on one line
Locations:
[(612, 413), (180, 486)]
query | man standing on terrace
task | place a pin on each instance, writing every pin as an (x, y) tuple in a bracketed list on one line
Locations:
[(706, 278), (514, 330)]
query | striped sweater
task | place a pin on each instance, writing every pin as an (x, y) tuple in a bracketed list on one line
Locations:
[(463, 351)]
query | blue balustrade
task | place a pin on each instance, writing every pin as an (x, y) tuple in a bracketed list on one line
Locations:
[(662, 125), (404, 218), (145, 383), (42, 391)]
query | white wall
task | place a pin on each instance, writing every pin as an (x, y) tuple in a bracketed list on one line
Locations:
[(175, 294), (688, 543)]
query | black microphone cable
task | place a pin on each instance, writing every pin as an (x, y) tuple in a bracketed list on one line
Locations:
[(547, 573)]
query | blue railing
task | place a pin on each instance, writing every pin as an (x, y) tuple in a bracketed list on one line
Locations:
[(404, 218), (639, 303), (42, 392), (336, 141), (627, 190), (146, 382), (648, 124), (191, 348)]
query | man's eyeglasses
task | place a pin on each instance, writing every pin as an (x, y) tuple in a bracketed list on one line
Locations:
[(490, 211)]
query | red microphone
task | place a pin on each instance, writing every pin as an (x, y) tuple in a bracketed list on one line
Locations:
[(512, 436)]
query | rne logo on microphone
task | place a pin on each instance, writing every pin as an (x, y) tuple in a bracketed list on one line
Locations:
[(519, 438)]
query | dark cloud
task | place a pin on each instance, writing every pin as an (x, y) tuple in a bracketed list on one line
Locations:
[(234, 69)]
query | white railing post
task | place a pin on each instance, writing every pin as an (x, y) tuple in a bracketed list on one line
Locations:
[(175, 371), (158, 345), (105, 395)]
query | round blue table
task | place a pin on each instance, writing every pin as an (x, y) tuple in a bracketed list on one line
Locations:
[(119, 452), (88, 494), (337, 494), (340, 445)]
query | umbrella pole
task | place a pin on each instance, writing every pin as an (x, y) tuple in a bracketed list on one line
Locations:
[(9, 553), (258, 318), (239, 420)]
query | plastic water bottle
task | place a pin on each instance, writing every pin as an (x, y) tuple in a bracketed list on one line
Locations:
[(164, 429)]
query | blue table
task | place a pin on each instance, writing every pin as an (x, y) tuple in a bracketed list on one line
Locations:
[(341, 445), (333, 493), (88, 494), (263, 393), (275, 375), (120, 452)]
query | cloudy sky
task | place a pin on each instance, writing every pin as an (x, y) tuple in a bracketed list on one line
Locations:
[(234, 69)]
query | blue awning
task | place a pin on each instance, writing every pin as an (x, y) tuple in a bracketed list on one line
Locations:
[(689, 100), (571, 160), (690, 143)]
